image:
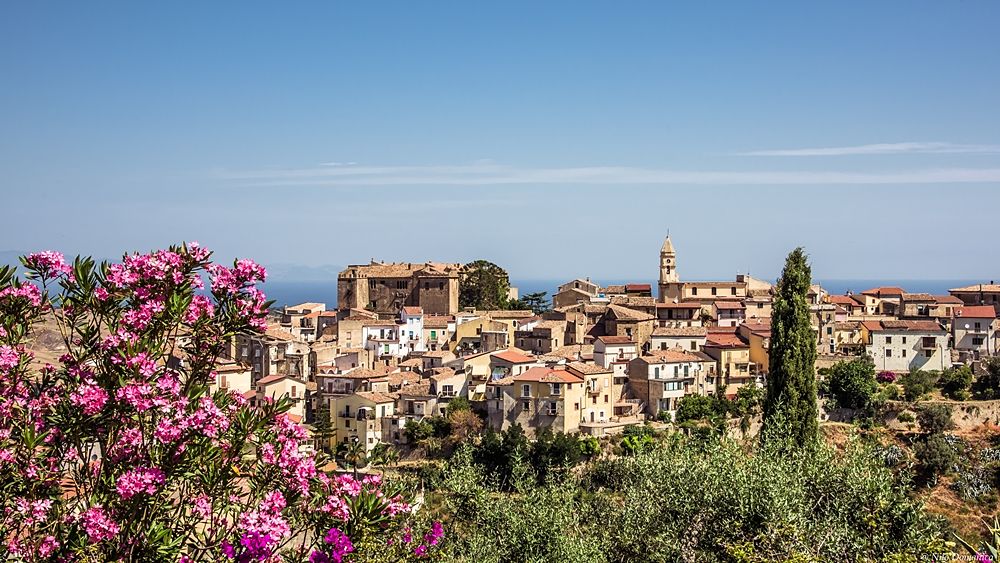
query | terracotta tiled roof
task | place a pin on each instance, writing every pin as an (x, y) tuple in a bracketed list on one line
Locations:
[(670, 357), (275, 378), (437, 354), (587, 368), (624, 313), (948, 300), (914, 326), (574, 351), (981, 287), (725, 340), (413, 311), (309, 306), (612, 289), (365, 373), (680, 331), (638, 287), (681, 305), (416, 390), (846, 300), (278, 334), (437, 321), (976, 312), (548, 375), (514, 357), (884, 291), (400, 270), (442, 373), (729, 305), (633, 301), (918, 297), (616, 340), (376, 397), (399, 378)]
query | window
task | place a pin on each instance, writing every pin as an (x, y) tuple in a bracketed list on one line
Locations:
[(294, 391), (555, 388), (677, 370), (656, 372), (888, 352), (434, 335), (977, 340), (979, 326), (904, 340), (715, 291), (526, 406), (888, 340), (694, 291), (904, 352), (694, 344), (733, 291), (440, 285), (525, 390), (928, 353), (605, 400)]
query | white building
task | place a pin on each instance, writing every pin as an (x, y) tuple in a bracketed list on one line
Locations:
[(411, 331), (901, 346), (976, 330), (611, 349)]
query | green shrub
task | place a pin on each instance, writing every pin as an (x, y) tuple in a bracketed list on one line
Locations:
[(955, 383), (935, 419), (937, 455), (987, 386), (917, 383), (906, 417), (852, 383)]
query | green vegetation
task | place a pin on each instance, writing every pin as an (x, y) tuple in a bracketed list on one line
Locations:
[(537, 302), (790, 410), (917, 384), (955, 383), (987, 386), (852, 383), (483, 285), (691, 500)]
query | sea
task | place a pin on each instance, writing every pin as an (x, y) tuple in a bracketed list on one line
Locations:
[(293, 292)]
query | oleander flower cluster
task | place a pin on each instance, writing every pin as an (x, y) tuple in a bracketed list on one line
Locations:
[(125, 449)]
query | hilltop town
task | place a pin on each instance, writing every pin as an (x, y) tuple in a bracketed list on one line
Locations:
[(398, 348)]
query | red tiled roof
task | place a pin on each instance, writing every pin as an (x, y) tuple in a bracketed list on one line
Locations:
[(914, 326), (888, 290), (976, 312), (413, 311), (548, 375), (514, 357), (681, 305), (725, 340), (638, 287), (729, 305), (616, 339)]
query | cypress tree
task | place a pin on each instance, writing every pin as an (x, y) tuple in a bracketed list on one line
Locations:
[(790, 410)]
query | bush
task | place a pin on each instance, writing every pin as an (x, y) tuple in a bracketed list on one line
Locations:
[(955, 383), (852, 383), (699, 502), (886, 377), (699, 407), (906, 417), (935, 419), (157, 466), (937, 455), (917, 383), (987, 386)]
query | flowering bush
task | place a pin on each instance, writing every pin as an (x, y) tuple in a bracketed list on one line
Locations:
[(886, 376), (122, 451)]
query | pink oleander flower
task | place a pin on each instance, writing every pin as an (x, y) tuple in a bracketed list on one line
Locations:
[(90, 396), (98, 525), (28, 291), (48, 263), (47, 546), (9, 358), (139, 480), (200, 307), (267, 519)]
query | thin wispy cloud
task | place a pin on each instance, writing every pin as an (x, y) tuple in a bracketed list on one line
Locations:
[(487, 173), (881, 149)]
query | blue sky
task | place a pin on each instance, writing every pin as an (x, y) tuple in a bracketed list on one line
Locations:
[(557, 140)]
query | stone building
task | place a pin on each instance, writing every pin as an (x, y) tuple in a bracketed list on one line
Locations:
[(388, 287)]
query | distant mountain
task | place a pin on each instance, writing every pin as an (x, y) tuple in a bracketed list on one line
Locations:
[(299, 273)]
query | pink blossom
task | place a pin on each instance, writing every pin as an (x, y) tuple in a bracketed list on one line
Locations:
[(139, 480), (27, 291), (267, 519), (98, 525), (9, 358), (47, 546), (90, 396), (48, 263), (200, 307)]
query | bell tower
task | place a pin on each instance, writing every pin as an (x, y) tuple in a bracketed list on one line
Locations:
[(668, 269)]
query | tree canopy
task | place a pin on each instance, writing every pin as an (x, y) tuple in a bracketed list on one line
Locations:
[(483, 285), (790, 410)]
